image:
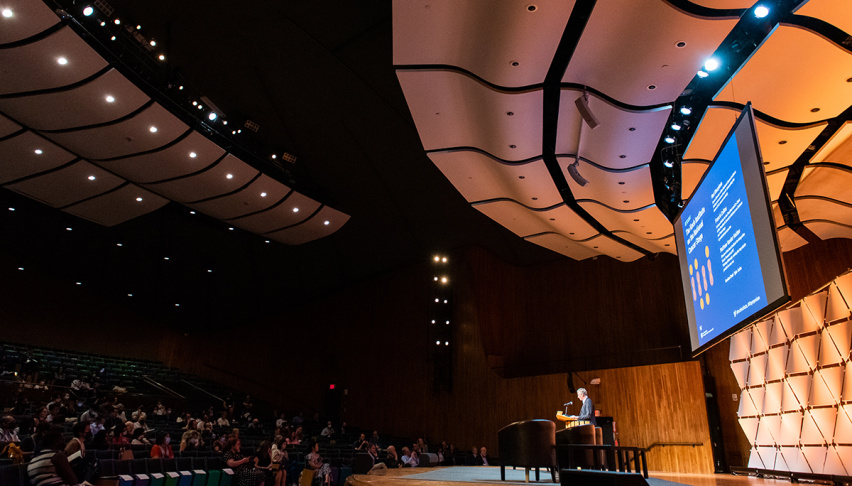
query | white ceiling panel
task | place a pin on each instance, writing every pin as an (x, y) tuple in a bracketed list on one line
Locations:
[(227, 176), (325, 222), (628, 189), (36, 66), (789, 240), (282, 215), (514, 47), (645, 52), (150, 129), (826, 181), (563, 245), (29, 17), (838, 149), (648, 223), (612, 248), (779, 147), (190, 154), (257, 196), (836, 12), (28, 153), (664, 244), (78, 107), (479, 177), (813, 208), (7, 127), (68, 185), (454, 110), (524, 221), (777, 215), (821, 71), (827, 230), (623, 138), (118, 206), (775, 182)]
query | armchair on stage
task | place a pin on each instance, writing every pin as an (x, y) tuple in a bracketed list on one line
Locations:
[(528, 444)]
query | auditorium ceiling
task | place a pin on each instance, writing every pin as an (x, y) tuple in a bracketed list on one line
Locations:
[(172, 154)]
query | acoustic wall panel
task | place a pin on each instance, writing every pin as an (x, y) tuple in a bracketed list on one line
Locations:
[(796, 380)]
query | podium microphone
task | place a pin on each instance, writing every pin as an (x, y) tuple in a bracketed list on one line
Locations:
[(566, 406)]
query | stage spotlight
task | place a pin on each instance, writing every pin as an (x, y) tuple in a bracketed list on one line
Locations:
[(702, 74), (668, 163), (7, 13), (686, 110), (575, 174), (761, 11), (670, 139), (711, 65), (88, 11), (675, 127), (212, 116)]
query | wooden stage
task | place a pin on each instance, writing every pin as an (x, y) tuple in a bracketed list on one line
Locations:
[(397, 477)]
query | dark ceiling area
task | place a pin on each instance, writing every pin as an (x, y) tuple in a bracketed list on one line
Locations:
[(318, 79)]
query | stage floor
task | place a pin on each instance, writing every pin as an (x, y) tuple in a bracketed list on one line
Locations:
[(490, 475)]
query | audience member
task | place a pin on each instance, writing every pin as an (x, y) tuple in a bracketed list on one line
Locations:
[(245, 473), (50, 466), (483, 456), (328, 431), (8, 431), (473, 459), (322, 470), (361, 443), (162, 448), (392, 460)]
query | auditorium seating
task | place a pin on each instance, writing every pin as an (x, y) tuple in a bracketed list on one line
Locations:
[(528, 444)]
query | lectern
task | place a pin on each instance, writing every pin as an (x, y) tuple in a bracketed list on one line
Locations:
[(568, 420)]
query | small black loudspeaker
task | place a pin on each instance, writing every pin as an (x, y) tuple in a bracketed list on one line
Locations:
[(583, 477), (570, 382)]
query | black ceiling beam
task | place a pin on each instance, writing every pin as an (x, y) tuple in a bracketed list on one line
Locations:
[(552, 90)]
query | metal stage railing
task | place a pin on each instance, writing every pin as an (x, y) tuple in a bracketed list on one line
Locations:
[(613, 458)]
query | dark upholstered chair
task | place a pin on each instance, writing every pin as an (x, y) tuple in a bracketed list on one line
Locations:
[(528, 444), (578, 435)]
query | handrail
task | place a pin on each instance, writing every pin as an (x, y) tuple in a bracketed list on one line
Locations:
[(670, 444), (616, 458), (153, 382), (201, 389)]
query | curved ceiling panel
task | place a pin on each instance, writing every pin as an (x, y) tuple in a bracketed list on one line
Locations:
[(7, 127), (628, 189), (838, 149), (789, 240), (611, 248), (691, 174), (479, 177), (775, 182), (645, 52), (323, 223), (647, 223), (37, 66), (513, 48), (726, 4), (68, 185), (821, 71), (836, 12), (827, 230), (190, 154), (622, 139), (26, 154), (664, 244), (826, 181), (123, 204), (107, 98), (227, 176), (525, 222), (779, 147), (563, 245), (281, 215), (257, 196), (813, 208), (150, 129), (454, 110), (27, 19)]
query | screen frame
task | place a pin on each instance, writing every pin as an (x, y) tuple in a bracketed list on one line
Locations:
[(761, 198)]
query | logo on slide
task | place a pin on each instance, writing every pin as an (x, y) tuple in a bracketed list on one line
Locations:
[(699, 277)]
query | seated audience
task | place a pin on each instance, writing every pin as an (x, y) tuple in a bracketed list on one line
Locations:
[(483, 456), (8, 430), (322, 470), (328, 431), (392, 460), (50, 466), (473, 459), (245, 474), (162, 449)]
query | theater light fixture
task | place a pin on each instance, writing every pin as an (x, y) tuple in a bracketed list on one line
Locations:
[(582, 104), (711, 64), (7, 13), (88, 11), (761, 11), (686, 110)]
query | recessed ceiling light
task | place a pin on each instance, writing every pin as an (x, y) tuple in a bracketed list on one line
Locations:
[(88, 11), (62, 61), (326, 222), (138, 27), (761, 11), (670, 140), (118, 244), (162, 57), (153, 43), (194, 103), (192, 212), (38, 151), (267, 241), (7, 12), (193, 155), (91, 177), (21, 268), (103, 24), (295, 210), (153, 129), (110, 99), (711, 64), (165, 258), (686, 110), (117, 21), (139, 199), (69, 229), (11, 209), (212, 116), (177, 305), (229, 176), (112, 38), (209, 271), (231, 228), (79, 283), (130, 295), (262, 194), (274, 156), (675, 126)]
